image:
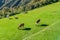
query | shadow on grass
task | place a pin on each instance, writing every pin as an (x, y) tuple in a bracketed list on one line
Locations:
[(10, 18), (16, 18), (27, 29), (44, 25)]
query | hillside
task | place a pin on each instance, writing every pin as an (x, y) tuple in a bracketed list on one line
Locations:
[(12, 7), (49, 15), (13, 3)]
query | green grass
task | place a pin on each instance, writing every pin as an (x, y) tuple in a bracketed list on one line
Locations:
[(51, 33), (48, 15)]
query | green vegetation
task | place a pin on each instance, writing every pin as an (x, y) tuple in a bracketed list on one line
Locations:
[(48, 15), (24, 7), (51, 33)]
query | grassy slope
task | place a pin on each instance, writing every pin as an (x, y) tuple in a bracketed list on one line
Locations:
[(52, 33), (9, 28)]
